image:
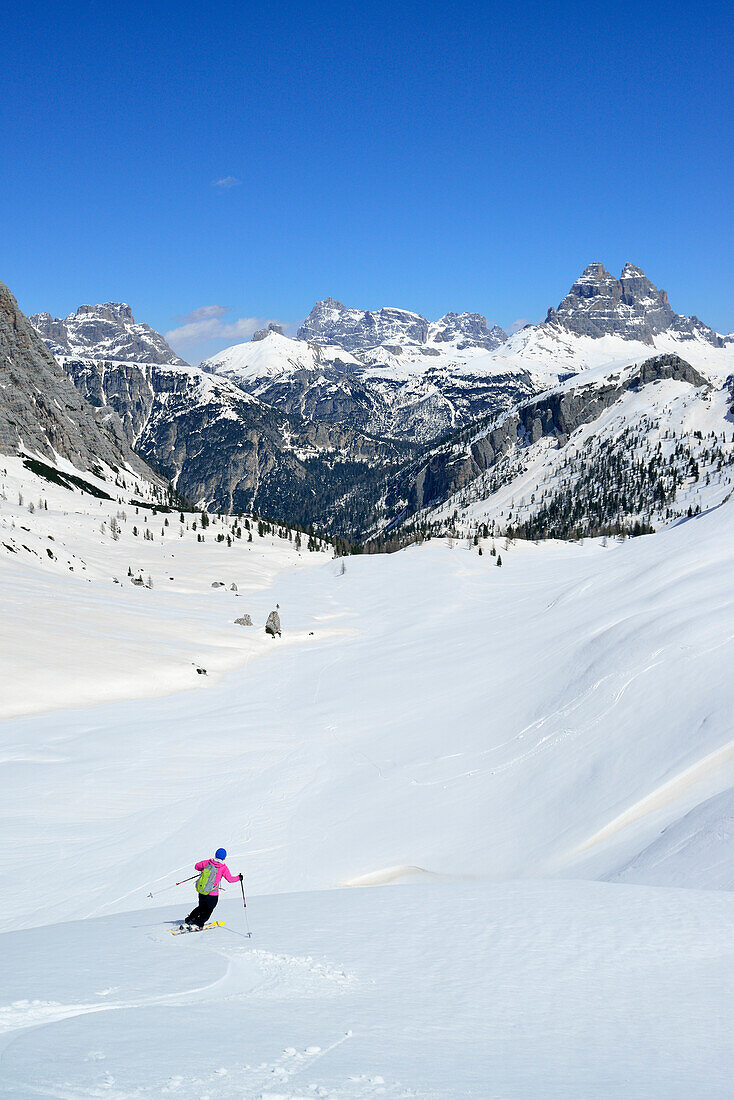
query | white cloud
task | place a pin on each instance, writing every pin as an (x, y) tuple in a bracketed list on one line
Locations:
[(210, 327), (517, 325), (226, 182), (203, 313)]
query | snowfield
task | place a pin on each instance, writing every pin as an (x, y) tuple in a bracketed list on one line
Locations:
[(493, 743), (529, 989)]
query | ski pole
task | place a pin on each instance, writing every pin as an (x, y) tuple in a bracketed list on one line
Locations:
[(164, 888), (244, 903)]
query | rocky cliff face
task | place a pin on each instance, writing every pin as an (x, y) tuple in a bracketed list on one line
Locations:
[(358, 330), (330, 322), (466, 330), (557, 414), (222, 447), (42, 413), (632, 307), (104, 332)]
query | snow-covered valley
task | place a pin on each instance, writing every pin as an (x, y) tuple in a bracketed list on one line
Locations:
[(423, 782)]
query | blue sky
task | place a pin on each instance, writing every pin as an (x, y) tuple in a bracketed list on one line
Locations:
[(432, 156)]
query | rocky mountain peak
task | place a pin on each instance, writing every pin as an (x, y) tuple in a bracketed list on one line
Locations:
[(330, 322), (117, 312), (632, 307), (466, 330), (107, 331), (272, 326), (594, 272)]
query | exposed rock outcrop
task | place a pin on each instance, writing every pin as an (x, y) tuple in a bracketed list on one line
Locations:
[(466, 330), (272, 326), (272, 626), (41, 411), (558, 414), (107, 331), (330, 322)]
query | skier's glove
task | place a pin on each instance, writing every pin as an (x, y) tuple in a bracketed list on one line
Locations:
[(241, 876)]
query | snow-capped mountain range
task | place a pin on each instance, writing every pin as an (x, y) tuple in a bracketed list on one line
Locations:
[(330, 322), (361, 399), (388, 390), (397, 374), (389, 371)]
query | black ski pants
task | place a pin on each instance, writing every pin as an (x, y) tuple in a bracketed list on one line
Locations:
[(201, 913)]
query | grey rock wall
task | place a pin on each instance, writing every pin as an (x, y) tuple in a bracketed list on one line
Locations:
[(557, 414), (632, 307), (42, 412)]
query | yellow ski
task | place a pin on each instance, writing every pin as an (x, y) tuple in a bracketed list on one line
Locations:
[(183, 929)]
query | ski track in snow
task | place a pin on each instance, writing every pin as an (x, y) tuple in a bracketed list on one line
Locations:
[(265, 1081), (24, 1014)]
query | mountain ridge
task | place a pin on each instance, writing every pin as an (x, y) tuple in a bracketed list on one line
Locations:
[(105, 331), (331, 322), (313, 412)]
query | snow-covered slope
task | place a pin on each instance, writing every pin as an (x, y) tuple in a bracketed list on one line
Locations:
[(275, 355), (557, 351), (427, 719), (565, 991), (619, 443), (326, 759), (115, 591)]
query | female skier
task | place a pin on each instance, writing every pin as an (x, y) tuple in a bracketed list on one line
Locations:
[(207, 886)]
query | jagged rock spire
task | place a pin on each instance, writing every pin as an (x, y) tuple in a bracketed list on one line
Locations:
[(632, 307)]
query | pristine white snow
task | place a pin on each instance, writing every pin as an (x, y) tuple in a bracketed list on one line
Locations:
[(275, 356), (278, 357), (549, 351), (574, 991), (427, 720)]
